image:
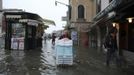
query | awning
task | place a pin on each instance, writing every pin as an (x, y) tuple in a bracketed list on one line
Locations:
[(35, 22), (13, 16), (29, 22), (48, 22)]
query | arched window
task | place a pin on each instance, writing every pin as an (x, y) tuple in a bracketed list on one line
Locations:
[(81, 11)]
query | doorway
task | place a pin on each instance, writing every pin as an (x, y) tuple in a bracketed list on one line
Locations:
[(131, 37)]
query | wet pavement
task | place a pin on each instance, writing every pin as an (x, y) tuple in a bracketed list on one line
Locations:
[(42, 62)]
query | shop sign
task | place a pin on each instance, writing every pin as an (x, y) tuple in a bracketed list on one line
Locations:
[(30, 22), (14, 43), (33, 23), (17, 43), (21, 43)]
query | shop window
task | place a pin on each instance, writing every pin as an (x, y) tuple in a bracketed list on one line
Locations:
[(18, 30), (81, 11)]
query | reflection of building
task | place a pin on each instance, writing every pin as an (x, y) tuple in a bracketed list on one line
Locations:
[(23, 30), (81, 13)]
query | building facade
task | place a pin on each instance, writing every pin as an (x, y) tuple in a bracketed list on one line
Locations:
[(81, 14), (100, 25), (114, 13), (23, 30)]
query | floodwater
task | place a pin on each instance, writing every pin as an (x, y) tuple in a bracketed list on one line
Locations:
[(30, 62), (42, 62)]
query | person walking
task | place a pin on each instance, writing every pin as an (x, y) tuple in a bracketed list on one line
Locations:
[(111, 45), (53, 38), (45, 37)]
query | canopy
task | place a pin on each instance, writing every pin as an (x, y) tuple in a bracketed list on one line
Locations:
[(48, 22)]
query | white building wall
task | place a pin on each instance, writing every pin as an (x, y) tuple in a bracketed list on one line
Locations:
[(104, 4)]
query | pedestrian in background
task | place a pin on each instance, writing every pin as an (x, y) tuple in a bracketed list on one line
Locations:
[(45, 37), (111, 45), (53, 38)]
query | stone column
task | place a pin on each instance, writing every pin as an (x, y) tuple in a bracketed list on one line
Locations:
[(98, 36)]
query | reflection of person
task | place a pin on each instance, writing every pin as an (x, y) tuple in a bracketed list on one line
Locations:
[(111, 45), (53, 38)]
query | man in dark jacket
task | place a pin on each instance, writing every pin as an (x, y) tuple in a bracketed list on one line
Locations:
[(111, 45)]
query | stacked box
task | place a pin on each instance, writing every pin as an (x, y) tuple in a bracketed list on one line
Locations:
[(64, 53)]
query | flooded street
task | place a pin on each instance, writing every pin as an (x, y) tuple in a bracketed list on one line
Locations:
[(42, 62), (28, 62)]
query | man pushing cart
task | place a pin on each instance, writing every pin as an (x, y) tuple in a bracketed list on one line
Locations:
[(64, 51)]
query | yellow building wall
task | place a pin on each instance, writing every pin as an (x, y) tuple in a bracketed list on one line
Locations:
[(89, 6)]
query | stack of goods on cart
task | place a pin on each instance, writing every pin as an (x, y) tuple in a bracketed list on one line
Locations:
[(64, 53)]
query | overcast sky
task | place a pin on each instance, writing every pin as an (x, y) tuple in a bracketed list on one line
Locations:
[(44, 8)]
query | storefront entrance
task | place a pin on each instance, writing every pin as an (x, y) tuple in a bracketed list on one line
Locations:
[(131, 37), (127, 36), (30, 38)]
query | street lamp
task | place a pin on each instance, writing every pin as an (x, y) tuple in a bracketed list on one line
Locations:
[(130, 19), (69, 8), (114, 24), (61, 3)]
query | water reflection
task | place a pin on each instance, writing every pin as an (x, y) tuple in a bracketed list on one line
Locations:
[(32, 61), (23, 62), (14, 63), (29, 62)]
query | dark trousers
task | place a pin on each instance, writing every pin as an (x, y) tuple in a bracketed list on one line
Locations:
[(111, 55)]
